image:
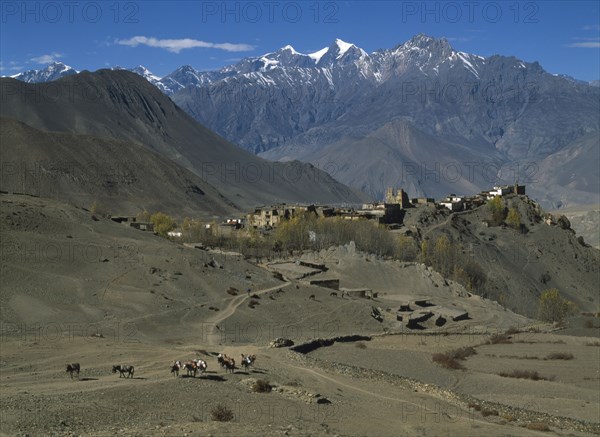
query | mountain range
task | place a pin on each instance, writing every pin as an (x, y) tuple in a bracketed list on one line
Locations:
[(51, 72), (421, 115), (141, 150)]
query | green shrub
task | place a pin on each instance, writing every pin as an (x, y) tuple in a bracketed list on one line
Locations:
[(559, 356), (221, 413), (449, 360), (524, 374), (537, 426), (261, 386)]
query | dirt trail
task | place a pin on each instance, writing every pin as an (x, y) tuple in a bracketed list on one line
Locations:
[(230, 309)]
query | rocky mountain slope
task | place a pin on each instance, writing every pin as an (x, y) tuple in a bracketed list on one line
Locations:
[(517, 265), (123, 106), (120, 177)]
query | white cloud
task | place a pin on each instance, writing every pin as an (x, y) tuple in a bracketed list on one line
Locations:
[(592, 27), (47, 59), (177, 45), (12, 66), (585, 45)]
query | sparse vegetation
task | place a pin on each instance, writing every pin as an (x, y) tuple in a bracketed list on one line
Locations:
[(464, 352), (221, 413), (486, 412), (553, 307), (407, 250), (524, 374), (537, 426), (361, 345), (448, 258), (512, 331), (559, 356), (556, 342), (143, 216), (449, 360), (253, 303), (446, 361), (517, 357), (499, 338), (96, 209), (589, 324), (261, 386), (293, 383)]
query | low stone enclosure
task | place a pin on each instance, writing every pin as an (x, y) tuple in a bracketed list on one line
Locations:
[(297, 269), (312, 345), (417, 311), (334, 284), (363, 293)]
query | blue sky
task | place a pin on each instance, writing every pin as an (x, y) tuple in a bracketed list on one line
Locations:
[(564, 37)]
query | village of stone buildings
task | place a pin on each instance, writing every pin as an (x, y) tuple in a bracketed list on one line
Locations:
[(390, 212)]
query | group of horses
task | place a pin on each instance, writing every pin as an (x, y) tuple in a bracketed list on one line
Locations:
[(195, 366), (192, 367)]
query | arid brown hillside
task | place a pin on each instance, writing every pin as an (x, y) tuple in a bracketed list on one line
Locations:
[(518, 264), (124, 106), (120, 177), (98, 293)]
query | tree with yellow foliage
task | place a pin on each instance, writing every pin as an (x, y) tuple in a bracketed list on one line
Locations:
[(553, 307), (513, 219), (163, 223)]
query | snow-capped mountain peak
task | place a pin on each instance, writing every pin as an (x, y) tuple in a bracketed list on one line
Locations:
[(342, 46), (144, 72), (289, 48), (338, 51), (51, 72), (316, 56), (423, 41)]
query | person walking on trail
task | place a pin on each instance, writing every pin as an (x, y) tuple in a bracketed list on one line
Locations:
[(249, 290)]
